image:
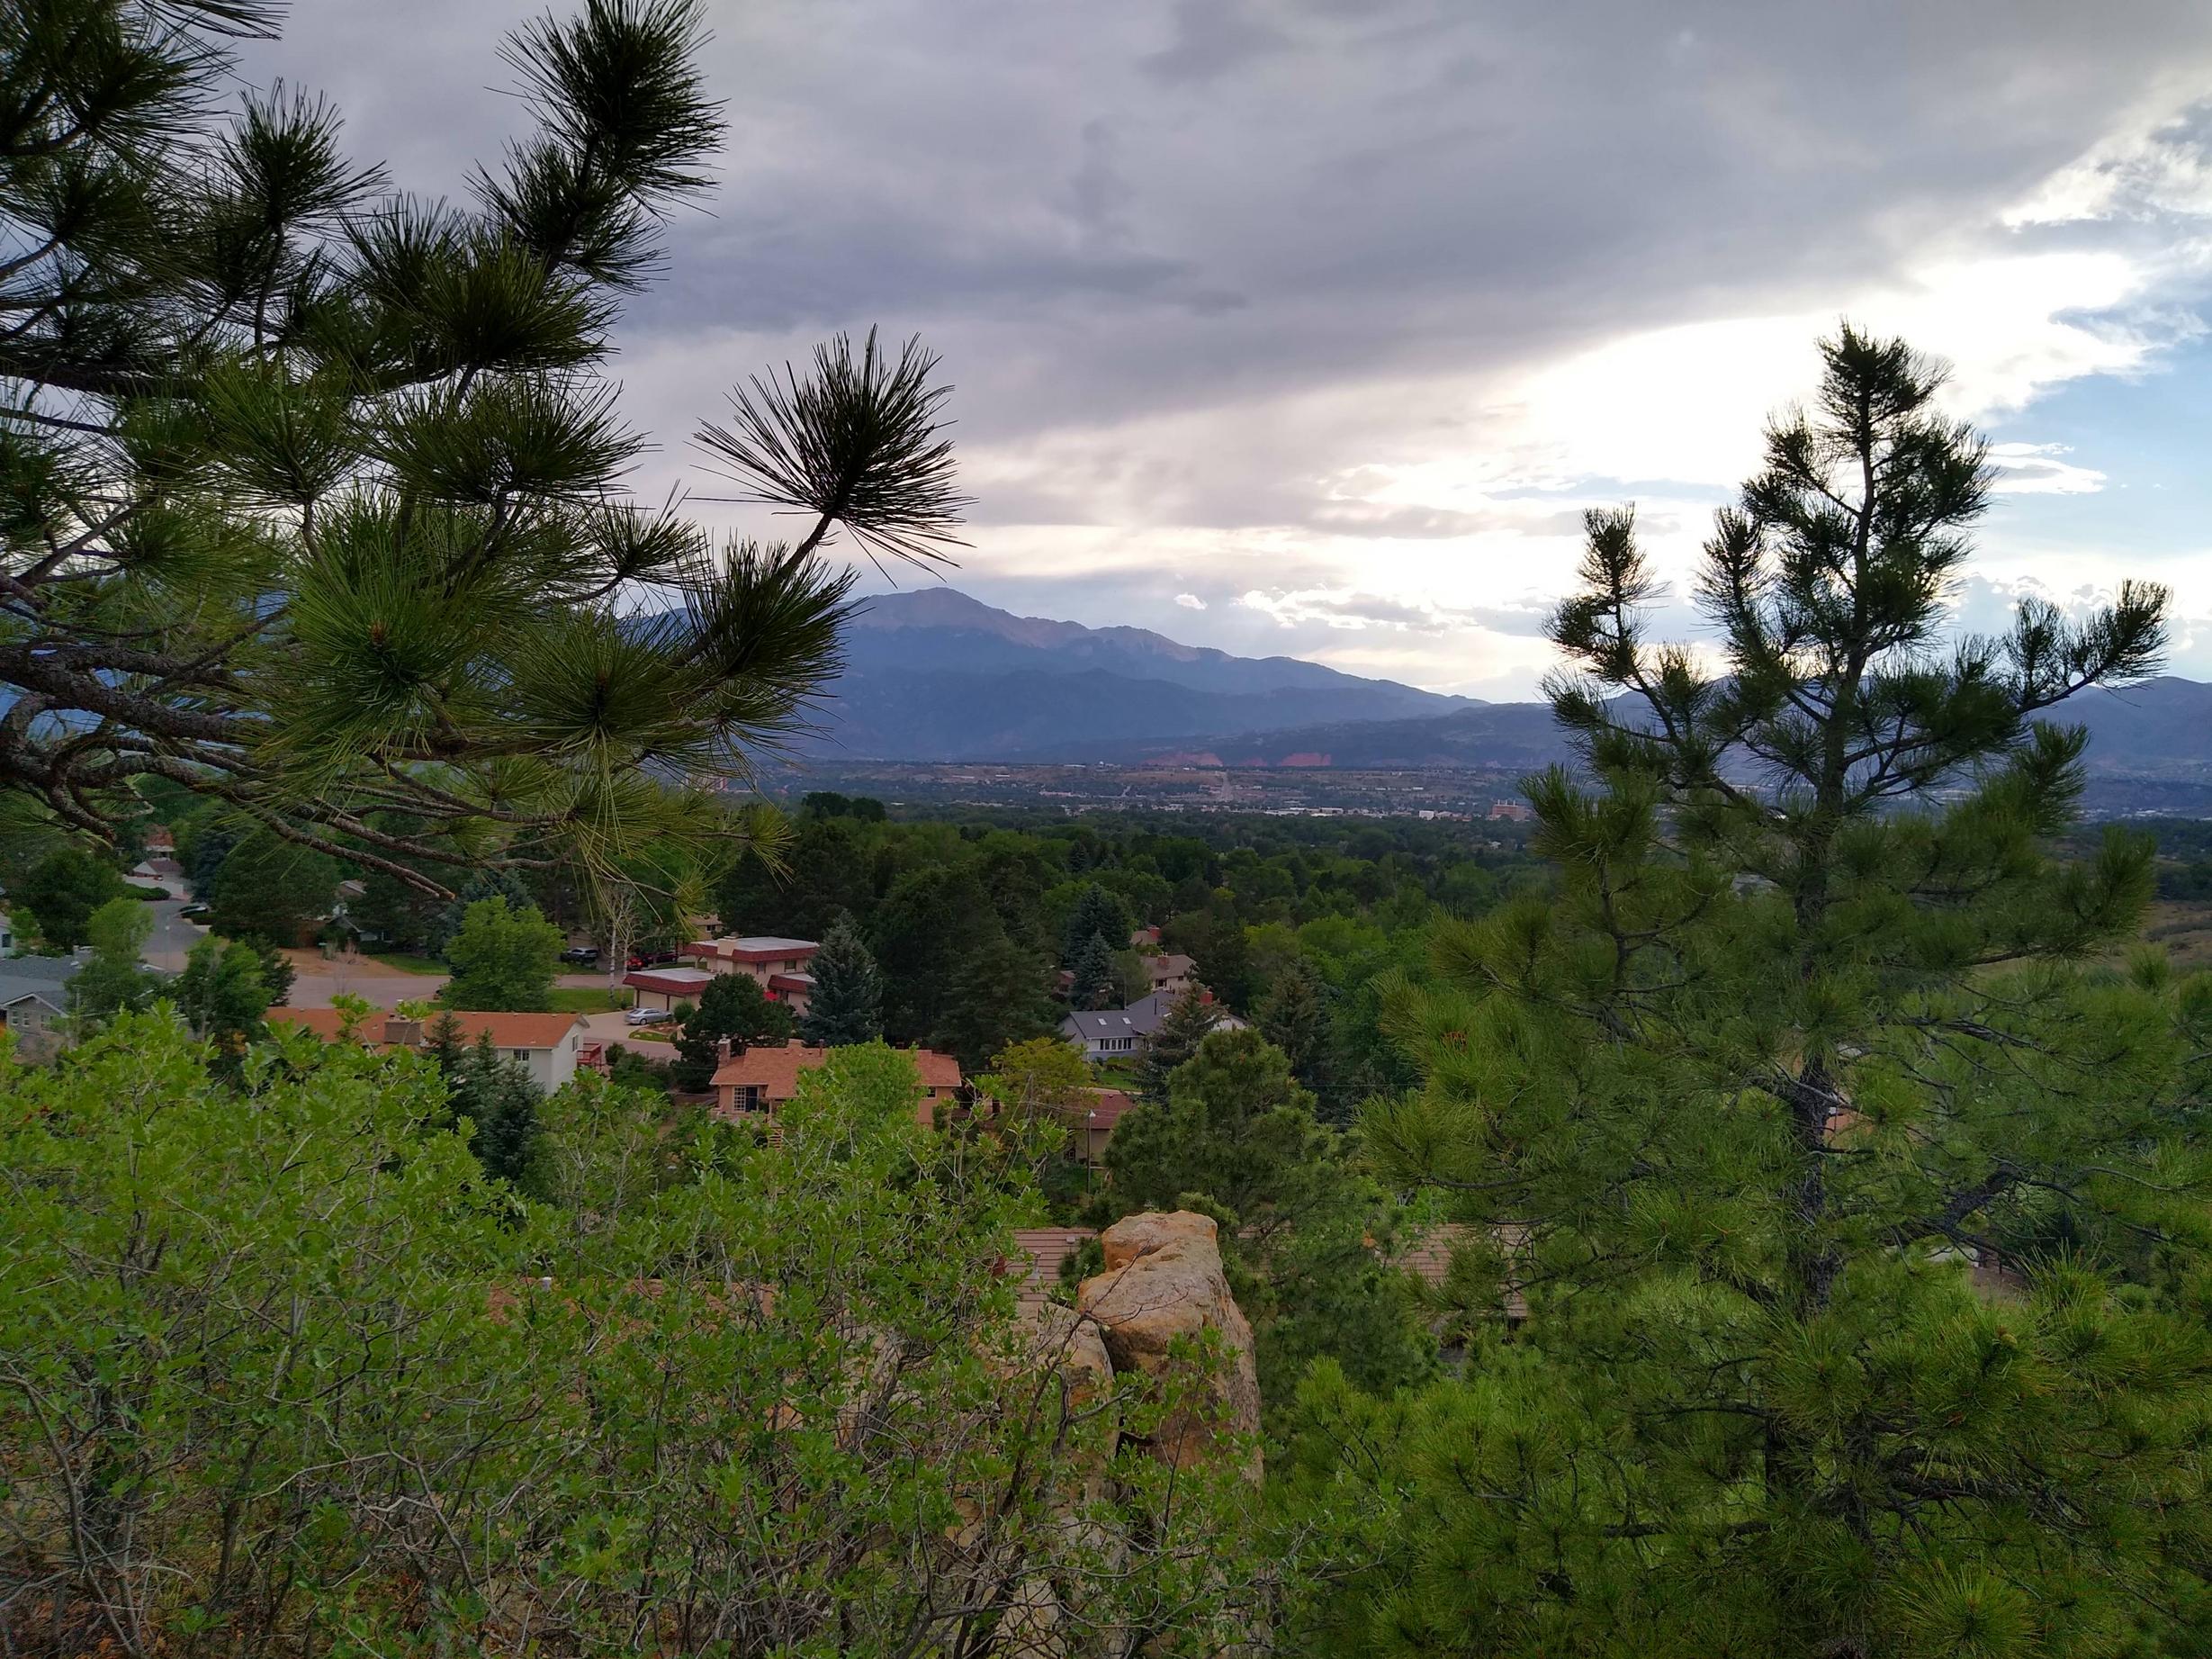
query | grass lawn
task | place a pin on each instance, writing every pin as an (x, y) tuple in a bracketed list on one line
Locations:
[(587, 999), (408, 964)]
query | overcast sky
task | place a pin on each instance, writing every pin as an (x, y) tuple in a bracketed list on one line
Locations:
[(1311, 325)]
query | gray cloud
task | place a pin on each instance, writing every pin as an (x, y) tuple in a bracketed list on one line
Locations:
[(1190, 262)]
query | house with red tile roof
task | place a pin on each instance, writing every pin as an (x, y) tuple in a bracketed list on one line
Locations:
[(760, 1081), (548, 1045)]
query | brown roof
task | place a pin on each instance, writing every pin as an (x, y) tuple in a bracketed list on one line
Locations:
[(1171, 967), (1105, 1107), (507, 1031), (753, 949), (775, 1072)]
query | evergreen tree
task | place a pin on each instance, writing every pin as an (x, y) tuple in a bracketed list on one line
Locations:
[(1098, 914), (1294, 1017), (501, 1104), (1095, 983), (445, 1042), (997, 997), (846, 1006), (1304, 1232), (278, 972), (502, 959), (733, 1008), (315, 489), (1176, 1041), (60, 892), (1751, 1107), (114, 980)]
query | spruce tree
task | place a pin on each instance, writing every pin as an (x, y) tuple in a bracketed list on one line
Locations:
[(501, 1104), (1097, 912), (846, 1005), (1763, 1110), (1176, 1041), (315, 489), (1294, 1017), (1093, 981)]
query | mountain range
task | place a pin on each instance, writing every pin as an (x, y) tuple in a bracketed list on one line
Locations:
[(935, 675)]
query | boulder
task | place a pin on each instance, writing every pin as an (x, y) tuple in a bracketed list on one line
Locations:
[(1162, 1282)]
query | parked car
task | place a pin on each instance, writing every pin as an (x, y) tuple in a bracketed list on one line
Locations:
[(582, 955), (646, 1016), (195, 913)]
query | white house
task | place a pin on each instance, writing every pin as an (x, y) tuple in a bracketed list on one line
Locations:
[(547, 1044)]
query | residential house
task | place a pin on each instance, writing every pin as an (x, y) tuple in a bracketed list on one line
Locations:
[(760, 1080), (1157, 1006), (1172, 974), (7, 933), (1094, 1121), (1123, 1033), (664, 987), (778, 965), (1107, 1034), (31, 1008), (549, 1046)]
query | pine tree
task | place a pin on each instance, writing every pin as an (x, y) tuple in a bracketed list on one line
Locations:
[(1176, 1041), (846, 1005), (1094, 982), (1796, 1060), (1304, 1231), (315, 488)]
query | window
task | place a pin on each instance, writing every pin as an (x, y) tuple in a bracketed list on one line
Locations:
[(522, 1054)]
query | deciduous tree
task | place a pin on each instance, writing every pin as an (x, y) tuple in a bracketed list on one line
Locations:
[(60, 892), (502, 959), (731, 1009), (114, 980)]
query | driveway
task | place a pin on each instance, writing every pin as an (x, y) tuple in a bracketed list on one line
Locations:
[(172, 937)]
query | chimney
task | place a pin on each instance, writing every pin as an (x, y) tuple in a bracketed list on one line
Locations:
[(722, 1051), (402, 1033)]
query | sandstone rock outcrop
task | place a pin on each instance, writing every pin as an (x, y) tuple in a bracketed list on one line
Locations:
[(1162, 1293)]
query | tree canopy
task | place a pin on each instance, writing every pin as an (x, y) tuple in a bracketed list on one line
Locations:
[(502, 959)]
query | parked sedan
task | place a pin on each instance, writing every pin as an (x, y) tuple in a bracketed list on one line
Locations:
[(582, 955), (647, 1017)]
